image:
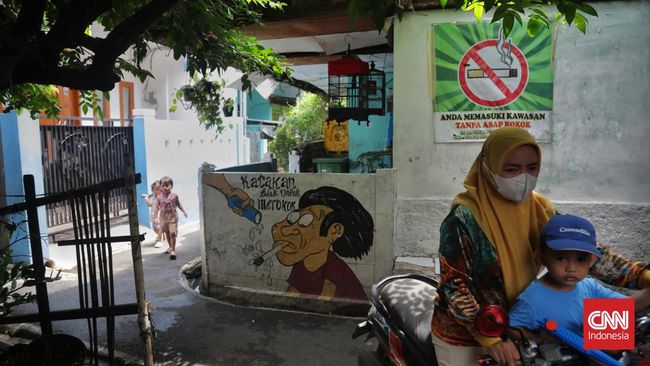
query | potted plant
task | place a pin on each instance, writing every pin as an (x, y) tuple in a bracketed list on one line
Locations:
[(228, 107)]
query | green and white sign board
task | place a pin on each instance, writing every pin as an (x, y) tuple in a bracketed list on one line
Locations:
[(483, 81)]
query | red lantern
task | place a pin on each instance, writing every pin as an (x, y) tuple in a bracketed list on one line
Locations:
[(346, 66), (355, 90)]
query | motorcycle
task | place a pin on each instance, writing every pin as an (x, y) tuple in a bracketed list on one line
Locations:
[(400, 319)]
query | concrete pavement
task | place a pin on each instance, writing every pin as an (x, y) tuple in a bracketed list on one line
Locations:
[(197, 330)]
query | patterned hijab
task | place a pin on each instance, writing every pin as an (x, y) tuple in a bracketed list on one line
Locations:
[(513, 228)]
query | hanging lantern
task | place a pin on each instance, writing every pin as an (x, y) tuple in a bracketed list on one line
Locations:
[(355, 91)]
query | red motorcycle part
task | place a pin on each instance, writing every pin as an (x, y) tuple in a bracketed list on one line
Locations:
[(492, 321), (396, 349)]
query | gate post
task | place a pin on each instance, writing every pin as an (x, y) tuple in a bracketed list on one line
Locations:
[(37, 256), (20, 151), (138, 269)]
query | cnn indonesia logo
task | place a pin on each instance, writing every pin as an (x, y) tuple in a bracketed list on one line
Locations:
[(608, 324)]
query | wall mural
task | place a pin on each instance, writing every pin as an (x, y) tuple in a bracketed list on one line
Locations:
[(327, 224)]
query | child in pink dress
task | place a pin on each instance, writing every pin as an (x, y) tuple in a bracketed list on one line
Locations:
[(156, 189), (164, 212)]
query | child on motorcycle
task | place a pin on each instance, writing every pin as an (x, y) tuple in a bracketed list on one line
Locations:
[(568, 250)]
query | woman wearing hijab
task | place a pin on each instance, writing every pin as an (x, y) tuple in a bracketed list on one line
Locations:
[(486, 248)]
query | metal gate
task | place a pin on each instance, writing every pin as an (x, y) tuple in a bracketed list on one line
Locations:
[(78, 156)]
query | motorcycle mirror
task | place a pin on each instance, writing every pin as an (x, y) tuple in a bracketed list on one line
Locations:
[(492, 321)]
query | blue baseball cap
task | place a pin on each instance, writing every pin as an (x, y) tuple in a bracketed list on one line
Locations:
[(568, 232)]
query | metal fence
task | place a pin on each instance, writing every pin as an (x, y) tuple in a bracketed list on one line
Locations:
[(77, 156)]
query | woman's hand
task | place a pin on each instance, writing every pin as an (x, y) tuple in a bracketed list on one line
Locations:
[(505, 353)]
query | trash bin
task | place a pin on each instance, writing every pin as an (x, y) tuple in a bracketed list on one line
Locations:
[(331, 165)]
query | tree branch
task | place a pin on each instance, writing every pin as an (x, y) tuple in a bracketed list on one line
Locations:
[(33, 71), (29, 18), (125, 33), (68, 31), (91, 43), (37, 61), (303, 85)]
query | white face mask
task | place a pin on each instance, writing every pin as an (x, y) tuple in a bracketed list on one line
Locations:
[(515, 188)]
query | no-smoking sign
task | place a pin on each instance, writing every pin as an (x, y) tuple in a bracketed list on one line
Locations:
[(493, 73)]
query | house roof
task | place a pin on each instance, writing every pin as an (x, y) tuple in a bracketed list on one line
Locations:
[(310, 37)]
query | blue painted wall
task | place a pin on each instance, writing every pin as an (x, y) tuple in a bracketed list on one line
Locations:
[(365, 138), (257, 107), (140, 158), (19, 160)]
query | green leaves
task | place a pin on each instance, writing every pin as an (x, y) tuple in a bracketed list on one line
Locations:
[(587, 9), (509, 12), (580, 22), (90, 101), (303, 123), (33, 98), (282, 144), (205, 97), (508, 23), (534, 26), (572, 13), (477, 7), (205, 31), (514, 10), (13, 280)]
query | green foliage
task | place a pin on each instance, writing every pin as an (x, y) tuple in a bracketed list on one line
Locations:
[(10, 293), (282, 144), (228, 107), (205, 97), (307, 117), (509, 12), (13, 277), (303, 123), (49, 43), (32, 97)]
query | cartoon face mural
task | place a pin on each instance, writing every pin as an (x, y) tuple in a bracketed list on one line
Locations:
[(299, 236), (329, 223)]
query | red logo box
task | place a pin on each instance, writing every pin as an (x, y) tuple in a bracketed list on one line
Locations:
[(608, 324)]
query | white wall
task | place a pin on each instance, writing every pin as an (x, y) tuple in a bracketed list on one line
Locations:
[(178, 148), (176, 144), (599, 151), (157, 93)]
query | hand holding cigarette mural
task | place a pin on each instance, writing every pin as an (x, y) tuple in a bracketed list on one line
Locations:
[(238, 200), (319, 227)]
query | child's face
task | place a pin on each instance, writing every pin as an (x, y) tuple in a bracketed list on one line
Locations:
[(157, 190), (566, 267), (167, 187)]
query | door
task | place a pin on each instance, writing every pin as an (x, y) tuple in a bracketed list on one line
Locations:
[(126, 103), (69, 104)]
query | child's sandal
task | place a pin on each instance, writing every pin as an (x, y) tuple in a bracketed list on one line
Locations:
[(172, 256)]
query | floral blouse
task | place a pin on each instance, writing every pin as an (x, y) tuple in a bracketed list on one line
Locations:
[(471, 276)]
